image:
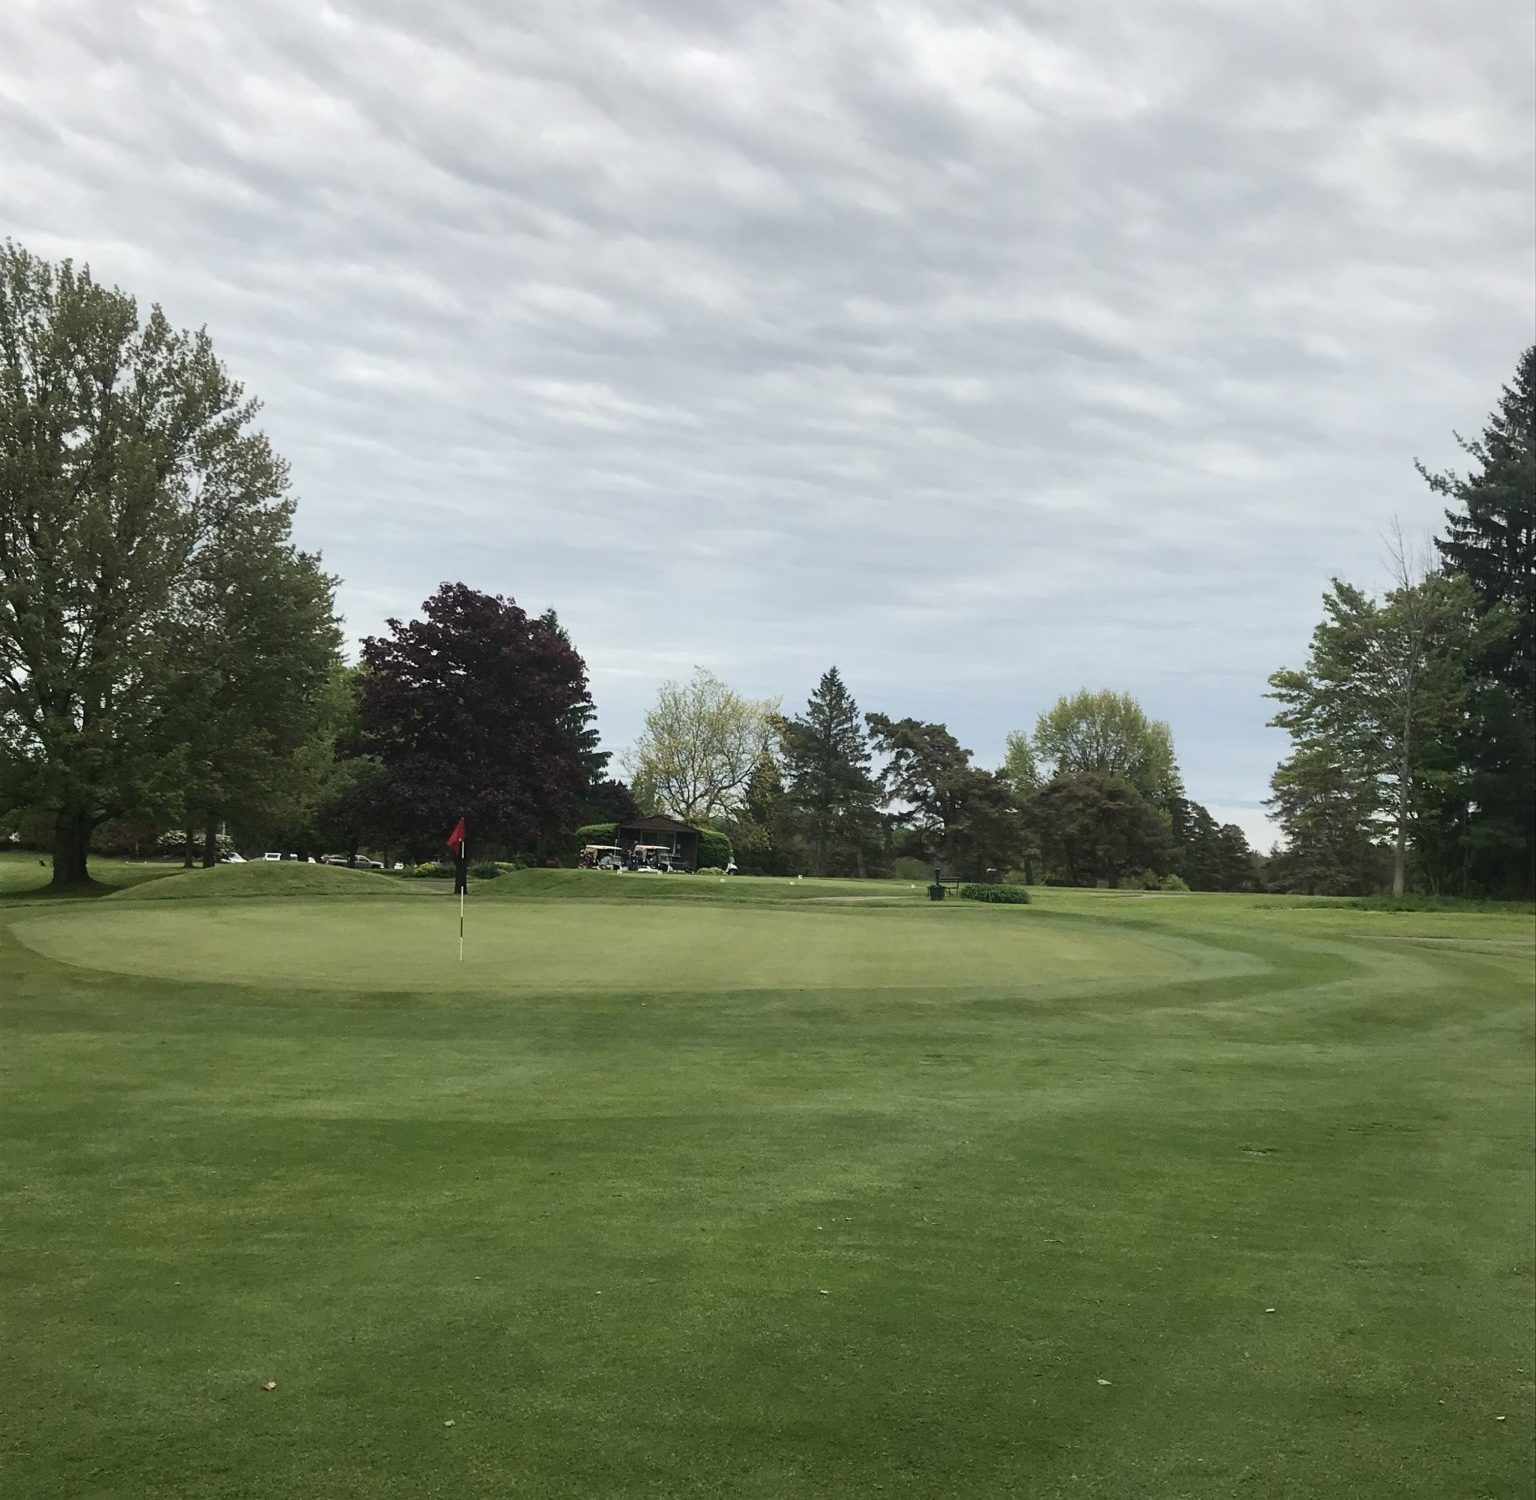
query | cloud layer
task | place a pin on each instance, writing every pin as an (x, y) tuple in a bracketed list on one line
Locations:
[(987, 350)]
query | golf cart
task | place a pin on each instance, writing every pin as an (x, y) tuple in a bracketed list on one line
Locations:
[(660, 857), (600, 857)]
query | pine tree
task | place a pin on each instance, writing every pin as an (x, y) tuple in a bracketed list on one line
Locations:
[(1491, 542), (828, 785), (1383, 688)]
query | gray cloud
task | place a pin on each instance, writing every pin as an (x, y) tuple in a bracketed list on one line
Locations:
[(989, 351)]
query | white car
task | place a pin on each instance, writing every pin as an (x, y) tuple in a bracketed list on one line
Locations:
[(232, 859)]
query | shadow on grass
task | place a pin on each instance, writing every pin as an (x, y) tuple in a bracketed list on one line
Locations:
[(120, 877)]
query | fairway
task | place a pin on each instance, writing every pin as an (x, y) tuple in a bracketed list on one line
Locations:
[(714, 1195)]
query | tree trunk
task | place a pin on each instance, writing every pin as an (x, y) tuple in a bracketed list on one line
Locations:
[(189, 846), (71, 847), (210, 845), (1400, 853)]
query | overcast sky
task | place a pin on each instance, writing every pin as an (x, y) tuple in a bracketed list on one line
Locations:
[(989, 351)]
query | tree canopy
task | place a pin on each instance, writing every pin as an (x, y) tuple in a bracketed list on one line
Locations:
[(699, 748), (475, 710), (1107, 733), (1099, 827), (1491, 542), (162, 643), (828, 786), (960, 815)]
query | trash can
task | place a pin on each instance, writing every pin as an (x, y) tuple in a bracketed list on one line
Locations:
[(936, 892)]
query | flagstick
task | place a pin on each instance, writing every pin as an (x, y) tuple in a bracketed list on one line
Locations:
[(463, 887)]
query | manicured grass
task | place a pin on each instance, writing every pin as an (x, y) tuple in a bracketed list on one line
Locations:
[(723, 1192), (290, 882), (24, 877)]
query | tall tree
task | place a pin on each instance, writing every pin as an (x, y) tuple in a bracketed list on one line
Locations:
[(1197, 836), (1212, 856), (1382, 681), (1021, 772), (1098, 827), (828, 784), (1330, 817), (1108, 733), (1491, 542), (699, 747), (759, 828), (258, 680), (1236, 862), (129, 471), (470, 712), (960, 815)]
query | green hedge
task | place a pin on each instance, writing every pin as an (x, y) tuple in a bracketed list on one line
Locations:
[(595, 833), (1005, 895), (714, 850)]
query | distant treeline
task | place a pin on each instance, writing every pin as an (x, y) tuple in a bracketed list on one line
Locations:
[(171, 680)]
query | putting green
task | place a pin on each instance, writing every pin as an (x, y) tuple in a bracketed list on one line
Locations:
[(626, 948)]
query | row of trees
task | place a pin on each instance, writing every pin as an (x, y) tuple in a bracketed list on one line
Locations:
[(1413, 760), (1093, 794), (170, 658)]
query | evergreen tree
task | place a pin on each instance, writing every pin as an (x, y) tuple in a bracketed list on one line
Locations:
[(1096, 827), (831, 794), (1383, 685), (757, 827), (959, 815), (1236, 863), (1491, 542), (1329, 818)]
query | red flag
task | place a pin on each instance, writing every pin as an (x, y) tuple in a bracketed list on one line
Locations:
[(456, 838)]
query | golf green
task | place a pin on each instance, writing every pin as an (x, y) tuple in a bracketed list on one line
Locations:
[(597, 948), (738, 1192)]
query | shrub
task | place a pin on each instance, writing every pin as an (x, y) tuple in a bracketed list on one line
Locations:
[(487, 871), (174, 842), (714, 849), (432, 870), (1172, 883), (1004, 895), (507, 866), (710, 870)]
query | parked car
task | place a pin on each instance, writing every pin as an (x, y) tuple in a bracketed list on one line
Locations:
[(232, 859)]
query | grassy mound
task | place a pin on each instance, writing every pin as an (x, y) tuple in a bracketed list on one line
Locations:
[(261, 879), (606, 885)]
